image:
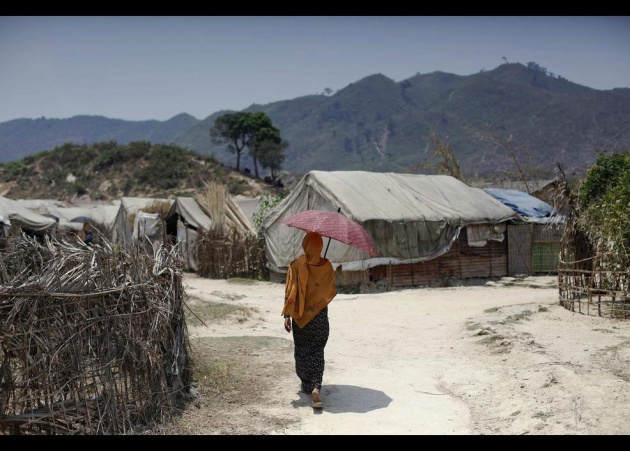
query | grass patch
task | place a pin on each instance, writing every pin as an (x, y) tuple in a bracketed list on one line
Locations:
[(624, 344), (519, 316), (216, 311), (542, 415), (222, 364), (228, 296), (213, 376), (349, 289), (491, 339), (473, 326), (542, 308)]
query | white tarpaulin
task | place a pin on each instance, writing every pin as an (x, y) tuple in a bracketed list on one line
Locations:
[(27, 219), (146, 225), (122, 228), (190, 212), (409, 217), (186, 240), (99, 214)]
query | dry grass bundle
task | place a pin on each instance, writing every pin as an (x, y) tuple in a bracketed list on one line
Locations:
[(158, 206), (93, 340), (212, 199), (225, 254)]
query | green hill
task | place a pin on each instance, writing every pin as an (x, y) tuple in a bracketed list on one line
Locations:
[(106, 171)]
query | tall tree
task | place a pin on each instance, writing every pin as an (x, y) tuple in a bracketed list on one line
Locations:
[(245, 129), (260, 130), (272, 156), (232, 129)]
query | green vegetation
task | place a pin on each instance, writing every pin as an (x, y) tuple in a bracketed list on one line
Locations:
[(266, 204), (604, 206), (215, 311), (12, 170)]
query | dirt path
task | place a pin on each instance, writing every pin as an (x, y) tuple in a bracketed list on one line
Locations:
[(492, 359)]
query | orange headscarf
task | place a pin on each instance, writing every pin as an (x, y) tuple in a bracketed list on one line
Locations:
[(310, 284)]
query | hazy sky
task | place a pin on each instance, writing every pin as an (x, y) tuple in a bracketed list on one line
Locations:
[(154, 67)]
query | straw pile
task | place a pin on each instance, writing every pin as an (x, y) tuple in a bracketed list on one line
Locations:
[(93, 340), (226, 215)]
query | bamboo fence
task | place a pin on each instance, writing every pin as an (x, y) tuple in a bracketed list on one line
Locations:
[(594, 291), (93, 340), (223, 254), (588, 282)]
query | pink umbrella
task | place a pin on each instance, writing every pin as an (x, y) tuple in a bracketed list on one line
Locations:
[(333, 224)]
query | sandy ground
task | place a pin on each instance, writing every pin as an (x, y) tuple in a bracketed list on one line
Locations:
[(502, 358)]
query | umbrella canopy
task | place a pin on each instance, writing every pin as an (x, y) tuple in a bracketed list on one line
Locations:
[(81, 219), (332, 224)]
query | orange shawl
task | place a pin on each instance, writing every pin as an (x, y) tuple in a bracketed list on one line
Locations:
[(310, 284)]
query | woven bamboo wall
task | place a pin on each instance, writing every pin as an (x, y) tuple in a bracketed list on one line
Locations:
[(92, 340), (546, 240), (224, 254), (460, 262)]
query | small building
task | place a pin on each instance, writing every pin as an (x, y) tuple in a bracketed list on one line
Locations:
[(534, 240)]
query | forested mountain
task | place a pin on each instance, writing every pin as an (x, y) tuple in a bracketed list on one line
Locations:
[(515, 113), (22, 137)]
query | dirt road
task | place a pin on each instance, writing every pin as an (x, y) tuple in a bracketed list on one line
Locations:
[(502, 358)]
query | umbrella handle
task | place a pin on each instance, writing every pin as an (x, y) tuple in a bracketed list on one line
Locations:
[(326, 251)]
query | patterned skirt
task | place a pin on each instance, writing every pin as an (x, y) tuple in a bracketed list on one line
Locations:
[(309, 343)]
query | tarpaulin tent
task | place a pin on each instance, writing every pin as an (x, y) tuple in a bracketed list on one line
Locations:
[(187, 217), (28, 220), (103, 215), (123, 227), (184, 220), (409, 217)]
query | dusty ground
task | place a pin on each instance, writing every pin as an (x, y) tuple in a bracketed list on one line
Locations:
[(499, 359)]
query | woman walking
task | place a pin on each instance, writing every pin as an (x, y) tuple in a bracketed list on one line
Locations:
[(310, 286)]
